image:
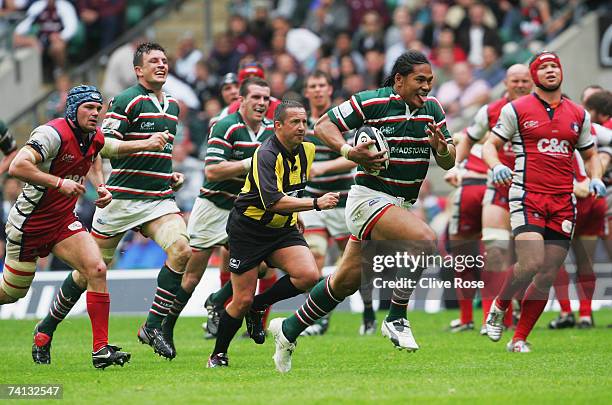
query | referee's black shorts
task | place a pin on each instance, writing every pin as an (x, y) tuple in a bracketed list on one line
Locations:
[(251, 243)]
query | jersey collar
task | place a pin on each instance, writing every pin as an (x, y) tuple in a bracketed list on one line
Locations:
[(154, 100)]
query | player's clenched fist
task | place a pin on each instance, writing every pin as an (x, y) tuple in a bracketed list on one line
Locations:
[(328, 201), (158, 141), (70, 188)]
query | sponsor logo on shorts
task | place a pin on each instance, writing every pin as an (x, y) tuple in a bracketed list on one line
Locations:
[(234, 263), (373, 201), (75, 226), (101, 221), (355, 217), (566, 225)]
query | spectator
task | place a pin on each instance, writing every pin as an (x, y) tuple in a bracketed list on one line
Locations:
[(446, 39), (431, 31), (260, 26), (408, 37), (457, 15), (510, 23), (199, 125), (103, 21), (462, 92), (374, 74), (56, 104), (343, 47), (474, 35), (49, 25), (445, 58), (358, 8), (327, 18), (204, 84), (119, 73), (536, 13), (492, 70), (242, 40), (225, 55), (287, 66), (187, 56), (278, 84), (8, 7), (370, 34), (401, 17)]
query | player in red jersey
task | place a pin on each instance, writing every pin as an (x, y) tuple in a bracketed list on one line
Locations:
[(493, 206), (545, 128), (591, 218), (54, 163)]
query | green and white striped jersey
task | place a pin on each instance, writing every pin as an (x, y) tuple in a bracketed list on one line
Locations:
[(340, 182), (135, 114), (230, 140), (404, 131)]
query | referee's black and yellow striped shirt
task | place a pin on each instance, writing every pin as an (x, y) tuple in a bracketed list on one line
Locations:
[(275, 172)]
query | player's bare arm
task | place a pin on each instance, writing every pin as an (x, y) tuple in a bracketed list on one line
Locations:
[(292, 204), (114, 148), (501, 173), (329, 133), (594, 169), (25, 168), (339, 165), (227, 170), (96, 177)]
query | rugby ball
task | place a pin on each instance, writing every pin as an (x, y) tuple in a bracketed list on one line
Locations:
[(365, 134)]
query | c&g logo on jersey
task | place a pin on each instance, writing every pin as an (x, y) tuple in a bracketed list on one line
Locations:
[(553, 146)]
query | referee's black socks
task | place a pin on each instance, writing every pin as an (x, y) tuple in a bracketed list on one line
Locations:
[(281, 290), (228, 326)]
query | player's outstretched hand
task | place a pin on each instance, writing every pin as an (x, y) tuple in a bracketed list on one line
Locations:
[(104, 196), (597, 188), (371, 161), (70, 188), (177, 180), (158, 141), (436, 139), (502, 175), (328, 201)]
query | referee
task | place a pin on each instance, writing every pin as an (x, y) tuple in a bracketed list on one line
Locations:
[(263, 226)]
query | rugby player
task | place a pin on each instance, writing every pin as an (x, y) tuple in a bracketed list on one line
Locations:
[(545, 128), (377, 206), (54, 164), (330, 172), (494, 209)]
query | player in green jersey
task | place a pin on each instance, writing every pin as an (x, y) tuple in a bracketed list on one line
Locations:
[(143, 185), (377, 206), (231, 146)]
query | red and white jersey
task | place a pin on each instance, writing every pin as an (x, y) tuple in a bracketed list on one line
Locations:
[(544, 139), (483, 122), (39, 208), (474, 160), (604, 145)]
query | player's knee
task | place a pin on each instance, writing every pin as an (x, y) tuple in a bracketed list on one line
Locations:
[(96, 271), (180, 253), (310, 279), (242, 301), (495, 259)]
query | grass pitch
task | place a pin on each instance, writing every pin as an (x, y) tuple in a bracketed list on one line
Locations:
[(566, 366)]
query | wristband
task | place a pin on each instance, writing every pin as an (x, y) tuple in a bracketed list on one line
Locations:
[(59, 183), (246, 163), (444, 155), (315, 205), (345, 149)]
